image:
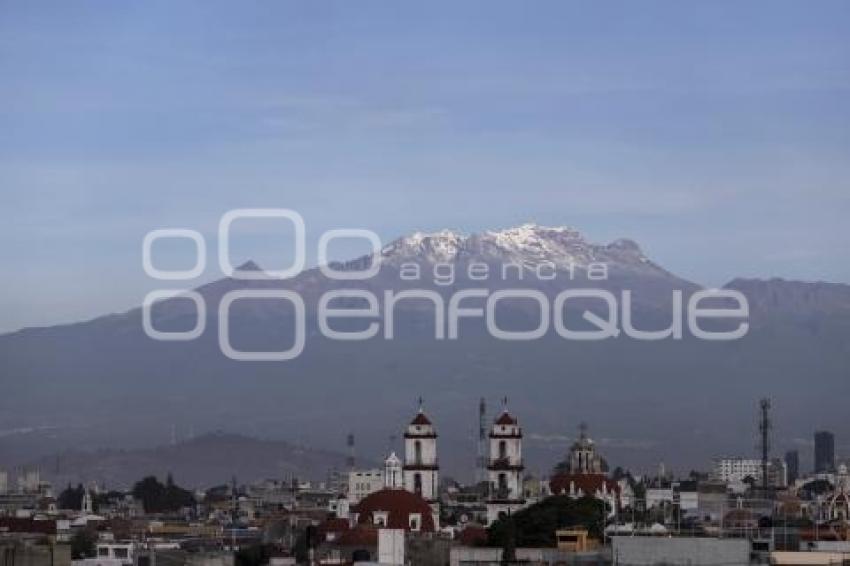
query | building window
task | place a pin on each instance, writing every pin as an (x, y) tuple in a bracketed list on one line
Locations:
[(503, 485), (417, 483)]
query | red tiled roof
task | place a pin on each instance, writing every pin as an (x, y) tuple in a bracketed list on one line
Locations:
[(740, 518), (587, 483), (361, 535), (420, 419), (333, 525), (15, 525), (399, 504), (506, 419), (472, 535)]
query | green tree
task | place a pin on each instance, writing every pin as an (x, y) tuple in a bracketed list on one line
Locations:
[(162, 498), (509, 542), (536, 525), (83, 544), (72, 497), (254, 555)]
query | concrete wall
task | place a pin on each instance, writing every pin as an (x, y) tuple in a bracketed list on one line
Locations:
[(391, 546), (16, 554), (479, 556), (693, 551), (209, 559), (428, 551), (826, 545), (806, 558)]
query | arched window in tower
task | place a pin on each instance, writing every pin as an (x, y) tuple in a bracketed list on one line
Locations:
[(417, 483), (503, 485), (503, 450), (417, 452)]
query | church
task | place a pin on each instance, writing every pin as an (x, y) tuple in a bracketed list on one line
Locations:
[(505, 468), (409, 499), (586, 474), (408, 496)]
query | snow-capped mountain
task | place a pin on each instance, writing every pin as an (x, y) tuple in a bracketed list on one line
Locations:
[(106, 383), (528, 244)]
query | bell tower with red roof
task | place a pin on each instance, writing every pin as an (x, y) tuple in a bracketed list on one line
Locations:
[(421, 468), (505, 467)]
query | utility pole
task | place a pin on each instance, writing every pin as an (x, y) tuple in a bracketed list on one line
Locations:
[(350, 442), (234, 513), (764, 430), (481, 464)]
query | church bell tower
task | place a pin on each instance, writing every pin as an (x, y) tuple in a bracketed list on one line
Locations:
[(421, 469)]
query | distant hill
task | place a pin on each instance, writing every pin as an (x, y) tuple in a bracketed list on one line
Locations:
[(207, 460)]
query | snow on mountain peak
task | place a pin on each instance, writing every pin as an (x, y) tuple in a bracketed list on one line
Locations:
[(433, 246), (529, 234), (527, 243), (443, 235)]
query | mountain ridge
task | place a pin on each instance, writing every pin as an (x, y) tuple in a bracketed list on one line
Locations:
[(202, 461), (106, 383), (450, 244)]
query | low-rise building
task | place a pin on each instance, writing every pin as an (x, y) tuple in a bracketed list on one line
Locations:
[(737, 470), (364, 482), (681, 550)]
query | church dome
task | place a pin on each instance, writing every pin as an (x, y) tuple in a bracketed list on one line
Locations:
[(399, 507), (586, 484)]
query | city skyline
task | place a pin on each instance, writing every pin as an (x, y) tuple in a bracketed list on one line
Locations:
[(424, 284)]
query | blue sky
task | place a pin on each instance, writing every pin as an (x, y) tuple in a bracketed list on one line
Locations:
[(716, 134)]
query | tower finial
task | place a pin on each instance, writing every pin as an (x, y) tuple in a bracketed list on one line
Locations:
[(505, 402), (582, 429), (420, 404)]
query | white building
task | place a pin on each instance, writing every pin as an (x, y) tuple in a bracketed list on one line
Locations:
[(504, 468), (736, 470), (659, 496), (363, 482), (688, 496), (29, 481), (110, 554), (88, 503), (421, 468), (393, 473)]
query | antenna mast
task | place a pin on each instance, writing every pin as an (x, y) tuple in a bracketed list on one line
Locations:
[(350, 442), (481, 464), (764, 429)]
